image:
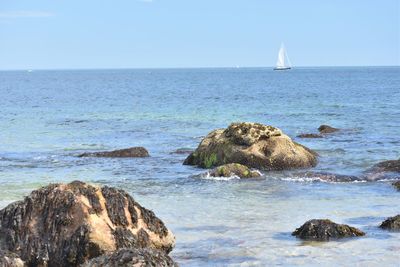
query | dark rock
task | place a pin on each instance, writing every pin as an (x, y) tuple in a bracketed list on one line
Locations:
[(182, 151), (387, 166), (392, 223), (9, 259), (310, 135), (67, 224), (325, 129), (324, 230), (330, 177), (232, 169), (132, 152), (132, 258), (397, 185), (253, 145)]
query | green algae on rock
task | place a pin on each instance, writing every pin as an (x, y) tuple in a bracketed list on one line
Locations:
[(234, 169), (254, 145)]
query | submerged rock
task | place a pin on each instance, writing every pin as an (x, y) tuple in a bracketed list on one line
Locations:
[(8, 259), (310, 135), (67, 224), (232, 169), (387, 166), (391, 223), (254, 145), (330, 177), (132, 258), (325, 129), (324, 230), (132, 152), (182, 151)]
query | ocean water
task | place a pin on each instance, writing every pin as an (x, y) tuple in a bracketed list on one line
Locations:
[(47, 118)]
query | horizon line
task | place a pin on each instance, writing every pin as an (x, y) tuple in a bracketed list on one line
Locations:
[(201, 67)]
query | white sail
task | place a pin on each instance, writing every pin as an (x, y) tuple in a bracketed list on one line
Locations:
[(283, 61)]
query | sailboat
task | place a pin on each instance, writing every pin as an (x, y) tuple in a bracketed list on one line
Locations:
[(283, 62)]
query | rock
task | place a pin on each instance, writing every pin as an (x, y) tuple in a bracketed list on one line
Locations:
[(132, 258), (392, 223), (324, 230), (325, 129), (182, 151), (232, 169), (330, 177), (254, 145), (387, 166), (67, 224), (397, 185), (310, 135), (9, 259), (132, 152)]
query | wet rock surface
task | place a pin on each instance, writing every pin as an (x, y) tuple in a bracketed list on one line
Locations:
[(392, 223), (254, 145), (387, 166), (132, 152), (397, 185), (325, 230), (8, 259), (132, 258), (326, 129), (310, 135), (330, 177), (67, 224), (234, 169)]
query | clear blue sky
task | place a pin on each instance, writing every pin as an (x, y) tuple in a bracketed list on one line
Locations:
[(47, 34)]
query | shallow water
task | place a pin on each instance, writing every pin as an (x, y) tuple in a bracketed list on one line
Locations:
[(49, 117)]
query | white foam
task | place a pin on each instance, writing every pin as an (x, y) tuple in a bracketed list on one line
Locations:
[(207, 176)]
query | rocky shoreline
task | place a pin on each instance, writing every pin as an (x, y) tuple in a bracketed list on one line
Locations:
[(79, 224)]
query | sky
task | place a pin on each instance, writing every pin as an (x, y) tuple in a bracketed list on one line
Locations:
[(79, 34)]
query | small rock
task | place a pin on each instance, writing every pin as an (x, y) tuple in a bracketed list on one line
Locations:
[(325, 129), (310, 135), (392, 223), (232, 169), (132, 258), (132, 152), (324, 230), (182, 151), (330, 177), (397, 185)]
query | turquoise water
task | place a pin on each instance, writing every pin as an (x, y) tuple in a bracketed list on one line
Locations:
[(49, 117)]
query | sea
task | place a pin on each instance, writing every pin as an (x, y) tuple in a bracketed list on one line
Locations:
[(49, 117)]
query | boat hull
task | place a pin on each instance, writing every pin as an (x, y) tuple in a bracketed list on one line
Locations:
[(287, 68)]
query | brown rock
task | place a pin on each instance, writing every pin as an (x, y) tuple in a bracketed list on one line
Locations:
[(392, 223), (143, 257), (67, 224), (324, 230), (325, 129), (253, 145), (132, 152)]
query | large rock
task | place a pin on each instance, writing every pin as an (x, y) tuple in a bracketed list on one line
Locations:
[(326, 129), (132, 152), (254, 145), (132, 258), (324, 230), (234, 169), (391, 223), (67, 224)]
